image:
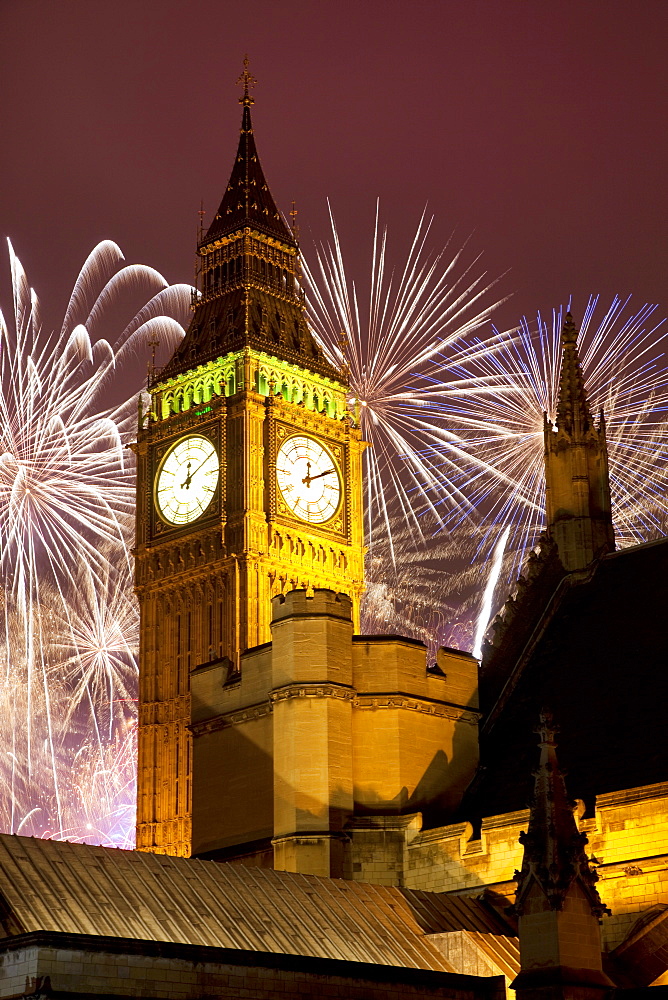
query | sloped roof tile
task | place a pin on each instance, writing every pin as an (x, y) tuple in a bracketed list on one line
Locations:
[(48, 885)]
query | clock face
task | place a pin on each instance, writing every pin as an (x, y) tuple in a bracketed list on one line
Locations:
[(309, 479), (187, 479)]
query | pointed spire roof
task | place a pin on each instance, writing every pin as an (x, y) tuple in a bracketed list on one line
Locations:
[(573, 411), (554, 857), (247, 200)]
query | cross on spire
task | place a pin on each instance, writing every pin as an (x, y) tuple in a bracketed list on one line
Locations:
[(246, 80)]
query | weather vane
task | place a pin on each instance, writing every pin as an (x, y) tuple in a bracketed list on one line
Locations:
[(246, 80)]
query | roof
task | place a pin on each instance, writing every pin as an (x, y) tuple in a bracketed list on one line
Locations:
[(598, 660), (487, 954), (443, 913), (233, 320), (642, 957), (249, 310), (55, 886), (247, 200)]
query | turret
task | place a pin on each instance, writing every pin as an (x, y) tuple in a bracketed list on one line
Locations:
[(577, 482)]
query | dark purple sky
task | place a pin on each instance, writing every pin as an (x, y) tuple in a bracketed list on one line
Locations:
[(540, 127)]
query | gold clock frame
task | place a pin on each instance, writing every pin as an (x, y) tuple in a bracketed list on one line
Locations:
[(338, 525), (159, 526), (280, 496)]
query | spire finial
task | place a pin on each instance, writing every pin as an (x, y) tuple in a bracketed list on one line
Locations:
[(150, 365), (200, 228), (570, 333), (246, 80), (294, 212), (546, 729)]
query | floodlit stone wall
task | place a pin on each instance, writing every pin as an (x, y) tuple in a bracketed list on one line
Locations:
[(116, 967), (628, 845)]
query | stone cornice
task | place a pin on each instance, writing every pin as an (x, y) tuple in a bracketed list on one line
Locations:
[(310, 837), (338, 692), (632, 866), (425, 706), (320, 689), (609, 800), (249, 714)]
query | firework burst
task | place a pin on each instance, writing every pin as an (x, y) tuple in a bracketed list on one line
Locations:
[(623, 355), (66, 500), (407, 592), (393, 351), (455, 421), (94, 642)]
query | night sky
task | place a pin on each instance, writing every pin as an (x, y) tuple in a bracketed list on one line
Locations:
[(537, 128)]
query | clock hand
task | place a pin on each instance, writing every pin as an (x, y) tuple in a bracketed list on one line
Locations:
[(189, 477), (309, 479)]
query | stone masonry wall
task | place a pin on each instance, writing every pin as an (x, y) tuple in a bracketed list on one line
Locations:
[(176, 972), (628, 842)]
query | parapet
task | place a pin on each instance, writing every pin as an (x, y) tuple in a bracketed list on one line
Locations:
[(461, 672), (311, 604)]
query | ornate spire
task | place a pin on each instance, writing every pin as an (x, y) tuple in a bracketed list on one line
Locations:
[(249, 273), (554, 858), (577, 483), (247, 200), (573, 412)]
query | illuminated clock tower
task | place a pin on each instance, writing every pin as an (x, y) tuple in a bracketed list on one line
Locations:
[(249, 481)]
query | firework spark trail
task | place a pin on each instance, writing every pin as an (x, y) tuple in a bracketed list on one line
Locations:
[(393, 352), (490, 588), (66, 500), (95, 776), (623, 358), (95, 643), (411, 596)]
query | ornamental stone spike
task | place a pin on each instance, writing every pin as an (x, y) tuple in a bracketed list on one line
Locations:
[(554, 856), (557, 902)]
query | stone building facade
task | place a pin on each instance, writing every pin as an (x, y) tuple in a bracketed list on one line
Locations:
[(407, 768)]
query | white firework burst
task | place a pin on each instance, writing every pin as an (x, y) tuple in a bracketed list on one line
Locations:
[(393, 351), (66, 500)]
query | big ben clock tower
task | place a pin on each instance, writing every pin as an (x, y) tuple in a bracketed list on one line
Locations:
[(249, 481)]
